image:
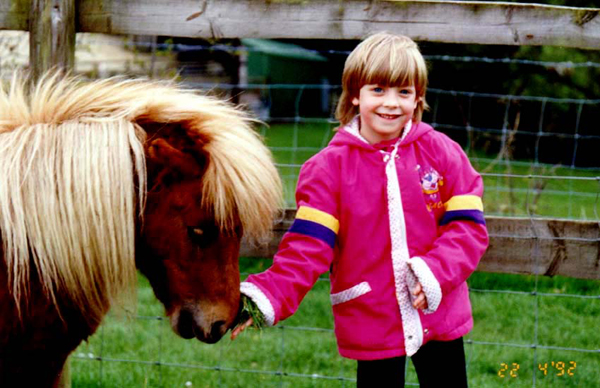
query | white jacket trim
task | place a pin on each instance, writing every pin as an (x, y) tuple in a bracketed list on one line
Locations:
[(431, 287), (411, 322), (404, 278), (262, 302), (350, 293)]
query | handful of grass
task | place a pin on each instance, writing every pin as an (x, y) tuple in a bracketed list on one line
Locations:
[(250, 310)]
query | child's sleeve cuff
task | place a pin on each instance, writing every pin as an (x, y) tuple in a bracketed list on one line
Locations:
[(431, 286)]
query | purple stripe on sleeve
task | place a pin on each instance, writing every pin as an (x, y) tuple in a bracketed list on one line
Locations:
[(313, 229), (463, 215)]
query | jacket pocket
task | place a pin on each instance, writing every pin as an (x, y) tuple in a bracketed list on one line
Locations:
[(350, 293)]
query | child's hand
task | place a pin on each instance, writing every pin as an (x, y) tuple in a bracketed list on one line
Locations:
[(250, 315), (420, 301), (239, 328)]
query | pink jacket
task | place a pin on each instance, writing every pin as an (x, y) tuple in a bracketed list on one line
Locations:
[(347, 222)]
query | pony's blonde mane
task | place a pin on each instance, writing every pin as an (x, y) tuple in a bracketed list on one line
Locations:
[(73, 173)]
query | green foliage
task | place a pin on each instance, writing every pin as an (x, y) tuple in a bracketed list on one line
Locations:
[(250, 310), (555, 81)]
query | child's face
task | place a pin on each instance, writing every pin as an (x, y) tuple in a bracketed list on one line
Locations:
[(384, 110)]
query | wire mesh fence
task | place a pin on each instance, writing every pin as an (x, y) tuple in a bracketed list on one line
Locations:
[(537, 154), (522, 336)]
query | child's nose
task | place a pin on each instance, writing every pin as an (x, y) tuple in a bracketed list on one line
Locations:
[(391, 99)]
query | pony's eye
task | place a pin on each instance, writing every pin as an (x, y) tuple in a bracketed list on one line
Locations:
[(202, 236)]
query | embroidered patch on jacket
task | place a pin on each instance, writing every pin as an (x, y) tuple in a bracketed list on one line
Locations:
[(431, 180), (316, 223), (465, 208)]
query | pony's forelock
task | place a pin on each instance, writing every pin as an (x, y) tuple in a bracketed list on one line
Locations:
[(72, 152)]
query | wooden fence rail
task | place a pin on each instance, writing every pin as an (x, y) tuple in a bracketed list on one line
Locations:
[(481, 22), (517, 245)]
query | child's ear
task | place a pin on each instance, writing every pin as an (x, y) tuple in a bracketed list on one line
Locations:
[(355, 101), (417, 101)]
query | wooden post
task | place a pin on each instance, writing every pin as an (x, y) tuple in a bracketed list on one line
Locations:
[(52, 46), (51, 36)]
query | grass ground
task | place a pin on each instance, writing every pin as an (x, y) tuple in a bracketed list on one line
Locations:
[(301, 352)]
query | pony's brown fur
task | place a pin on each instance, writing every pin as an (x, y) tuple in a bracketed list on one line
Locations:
[(73, 179)]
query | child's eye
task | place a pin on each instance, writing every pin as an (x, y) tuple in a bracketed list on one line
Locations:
[(404, 91), (378, 89)]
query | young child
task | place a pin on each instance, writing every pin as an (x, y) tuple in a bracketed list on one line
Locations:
[(393, 210)]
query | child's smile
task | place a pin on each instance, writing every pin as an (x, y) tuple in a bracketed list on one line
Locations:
[(388, 117)]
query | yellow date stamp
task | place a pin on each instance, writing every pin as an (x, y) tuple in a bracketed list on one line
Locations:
[(557, 368)]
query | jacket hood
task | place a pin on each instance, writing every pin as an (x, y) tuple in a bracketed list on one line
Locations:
[(349, 135)]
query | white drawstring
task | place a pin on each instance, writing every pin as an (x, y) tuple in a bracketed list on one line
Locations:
[(411, 322)]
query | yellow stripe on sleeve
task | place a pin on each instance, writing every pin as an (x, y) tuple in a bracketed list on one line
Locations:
[(464, 202), (318, 216)]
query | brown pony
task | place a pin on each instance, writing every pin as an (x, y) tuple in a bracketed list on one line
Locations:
[(96, 178)]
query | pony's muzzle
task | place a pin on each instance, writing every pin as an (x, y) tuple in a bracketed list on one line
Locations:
[(206, 325)]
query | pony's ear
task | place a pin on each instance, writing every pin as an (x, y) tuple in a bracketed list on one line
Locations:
[(166, 161)]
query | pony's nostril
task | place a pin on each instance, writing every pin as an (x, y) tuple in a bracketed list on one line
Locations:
[(185, 325), (218, 329)]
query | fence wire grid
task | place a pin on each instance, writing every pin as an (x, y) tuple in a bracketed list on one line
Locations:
[(526, 327)]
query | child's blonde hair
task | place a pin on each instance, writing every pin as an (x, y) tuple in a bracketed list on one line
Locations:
[(387, 60)]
